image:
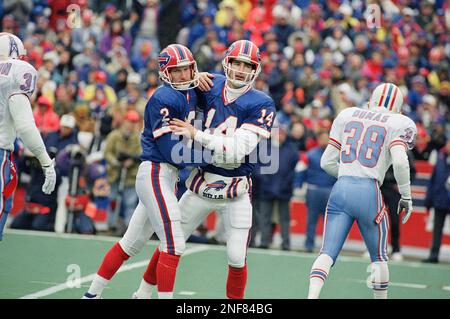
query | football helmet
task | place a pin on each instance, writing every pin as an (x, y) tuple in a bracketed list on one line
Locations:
[(246, 51), (11, 46), (388, 96), (174, 56)]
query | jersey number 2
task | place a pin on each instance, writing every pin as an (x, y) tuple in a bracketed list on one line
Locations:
[(370, 144)]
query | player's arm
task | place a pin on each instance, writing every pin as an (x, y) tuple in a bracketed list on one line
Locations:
[(171, 148), (22, 115), (241, 143), (330, 158), (403, 140), (176, 152), (301, 170), (205, 81), (234, 147)]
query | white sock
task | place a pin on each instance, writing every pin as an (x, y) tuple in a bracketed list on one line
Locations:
[(319, 272), (145, 290), (165, 295), (380, 279), (98, 284)]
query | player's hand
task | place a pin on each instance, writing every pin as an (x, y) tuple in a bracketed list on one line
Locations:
[(407, 205), (179, 127), (219, 160), (299, 193), (205, 82), (50, 178)]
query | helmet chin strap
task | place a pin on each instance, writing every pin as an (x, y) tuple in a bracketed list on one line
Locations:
[(181, 87), (238, 84)]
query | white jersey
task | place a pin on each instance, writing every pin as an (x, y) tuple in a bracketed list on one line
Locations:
[(16, 77), (364, 139)]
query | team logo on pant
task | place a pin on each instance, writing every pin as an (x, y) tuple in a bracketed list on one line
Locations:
[(217, 186)]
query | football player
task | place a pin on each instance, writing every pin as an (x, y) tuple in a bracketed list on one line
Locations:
[(236, 118), (363, 143), (17, 84), (158, 210)]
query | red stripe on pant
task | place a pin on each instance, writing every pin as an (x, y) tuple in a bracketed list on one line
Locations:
[(157, 191), (194, 181)]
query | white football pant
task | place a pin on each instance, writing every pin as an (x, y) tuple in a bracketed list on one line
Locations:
[(237, 218), (157, 211)]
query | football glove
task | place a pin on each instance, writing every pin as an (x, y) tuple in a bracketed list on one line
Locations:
[(219, 160), (50, 178), (407, 205)]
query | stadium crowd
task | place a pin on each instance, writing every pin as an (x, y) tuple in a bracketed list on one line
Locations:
[(97, 66)]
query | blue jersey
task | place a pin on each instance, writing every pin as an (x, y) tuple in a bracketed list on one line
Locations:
[(156, 139), (253, 110)]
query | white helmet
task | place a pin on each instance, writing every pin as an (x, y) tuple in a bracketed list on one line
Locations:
[(388, 96), (11, 46)]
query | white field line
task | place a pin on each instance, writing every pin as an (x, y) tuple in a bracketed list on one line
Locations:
[(88, 278)]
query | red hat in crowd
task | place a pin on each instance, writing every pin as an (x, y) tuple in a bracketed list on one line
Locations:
[(132, 116), (403, 53), (43, 100), (100, 76), (325, 74)]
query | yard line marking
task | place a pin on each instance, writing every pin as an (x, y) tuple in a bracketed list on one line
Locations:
[(447, 288), (187, 293), (50, 283), (88, 278)]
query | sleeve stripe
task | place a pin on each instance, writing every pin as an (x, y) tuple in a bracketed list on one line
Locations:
[(336, 141), (256, 129), (161, 131), (333, 144), (398, 144), (397, 141)]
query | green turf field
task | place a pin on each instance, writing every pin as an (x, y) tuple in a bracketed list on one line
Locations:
[(43, 265)]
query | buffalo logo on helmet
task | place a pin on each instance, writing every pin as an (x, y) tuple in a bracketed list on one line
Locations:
[(217, 186), (231, 48), (163, 59)]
